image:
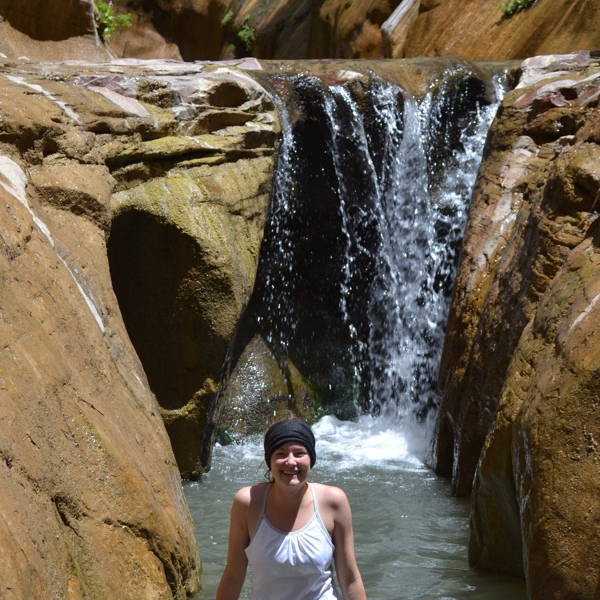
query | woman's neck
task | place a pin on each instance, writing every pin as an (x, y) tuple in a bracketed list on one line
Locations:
[(290, 497), (289, 510)]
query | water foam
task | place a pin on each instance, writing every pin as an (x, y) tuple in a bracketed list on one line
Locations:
[(368, 442)]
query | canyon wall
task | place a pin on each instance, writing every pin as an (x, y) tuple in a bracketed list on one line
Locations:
[(297, 29), (469, 29), (152, 181), (518, 424)]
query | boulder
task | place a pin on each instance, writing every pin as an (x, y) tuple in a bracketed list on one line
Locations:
[(260, 392)]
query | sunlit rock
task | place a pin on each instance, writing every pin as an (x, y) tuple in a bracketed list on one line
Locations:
[(150, 180), (90, 490), (473, 29), (519, 373), (57, 30)]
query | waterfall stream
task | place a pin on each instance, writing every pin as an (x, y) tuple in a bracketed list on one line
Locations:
[(360, 252), (355, 277)]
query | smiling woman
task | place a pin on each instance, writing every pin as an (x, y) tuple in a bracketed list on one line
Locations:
[(290, 531)]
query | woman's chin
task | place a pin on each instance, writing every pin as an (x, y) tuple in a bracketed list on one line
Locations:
[(292, 480)]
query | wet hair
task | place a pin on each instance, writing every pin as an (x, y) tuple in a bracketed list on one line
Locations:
[(289, 430)]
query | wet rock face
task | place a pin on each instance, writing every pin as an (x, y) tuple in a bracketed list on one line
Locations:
[(260, 392), (519, 374), (102, 168)]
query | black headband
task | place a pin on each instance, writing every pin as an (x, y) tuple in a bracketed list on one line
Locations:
[(289, 430)]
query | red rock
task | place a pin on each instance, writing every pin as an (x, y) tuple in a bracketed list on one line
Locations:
[(517, 427)]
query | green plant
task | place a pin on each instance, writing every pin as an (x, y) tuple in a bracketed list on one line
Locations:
[(247, 35), (227, 18), (106, 20), (512, 7)]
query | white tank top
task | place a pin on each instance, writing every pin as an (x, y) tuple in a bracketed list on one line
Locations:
[(291, 565)]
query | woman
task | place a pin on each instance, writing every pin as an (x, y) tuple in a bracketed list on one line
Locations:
[(290, 531)]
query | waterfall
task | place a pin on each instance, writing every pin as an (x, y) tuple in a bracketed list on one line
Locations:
[(369, 205)]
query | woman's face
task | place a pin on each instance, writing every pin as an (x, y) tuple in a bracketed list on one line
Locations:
[(290, 464)]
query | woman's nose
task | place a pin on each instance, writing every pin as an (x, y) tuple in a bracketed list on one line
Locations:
[(291, 459)]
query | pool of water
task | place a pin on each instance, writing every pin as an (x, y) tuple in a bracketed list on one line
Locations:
[(411, 534)]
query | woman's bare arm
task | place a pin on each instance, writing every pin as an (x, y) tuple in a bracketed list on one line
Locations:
[(234, 574), (343, 538)]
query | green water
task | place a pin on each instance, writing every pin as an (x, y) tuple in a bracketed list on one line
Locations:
[(411, 534)]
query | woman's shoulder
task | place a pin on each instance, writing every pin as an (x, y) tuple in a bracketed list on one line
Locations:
[(333, 496), (250, 494)]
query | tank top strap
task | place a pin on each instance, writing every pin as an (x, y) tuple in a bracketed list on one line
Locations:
[(262, 516), (264, 503), (314, 495)]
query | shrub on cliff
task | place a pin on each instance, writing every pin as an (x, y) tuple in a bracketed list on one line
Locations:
[(512, 7), (106, 20)]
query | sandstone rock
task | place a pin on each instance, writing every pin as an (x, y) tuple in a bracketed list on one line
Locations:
[(349, 29), (493, 299), (184, 244), (81, 189), (477, 30), (91, 497), (519, 365), (141, 40), (168, 164), (56, 30), (471, 29), (208, 29), (416, 76), (283, 29), (396, 28), (536, 483), (186, 29), (556, 431)]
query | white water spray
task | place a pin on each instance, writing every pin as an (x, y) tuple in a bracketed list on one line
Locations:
[(393, 183)]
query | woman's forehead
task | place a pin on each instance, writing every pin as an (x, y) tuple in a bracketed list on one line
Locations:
[(289, 446)]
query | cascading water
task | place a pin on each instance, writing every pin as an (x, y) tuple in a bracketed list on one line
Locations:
[(360, 252), (354, 284)]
